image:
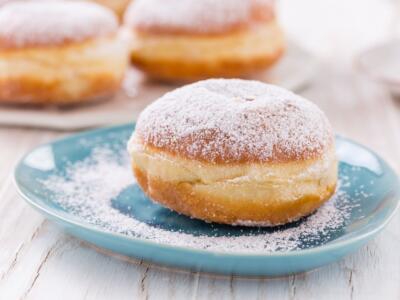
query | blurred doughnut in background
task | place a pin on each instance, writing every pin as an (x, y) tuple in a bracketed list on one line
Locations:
[(59, 52), (117, 6), (177, 40)]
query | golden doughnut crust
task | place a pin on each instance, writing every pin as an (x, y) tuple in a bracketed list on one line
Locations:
[(195, 202), (201, 204), (236, 152), (192, 40), (192, 57), (62, 75), (249, 195)]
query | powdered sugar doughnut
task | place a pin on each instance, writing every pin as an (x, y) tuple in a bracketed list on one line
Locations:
[(191, 39), (59, 52), (235, 152)]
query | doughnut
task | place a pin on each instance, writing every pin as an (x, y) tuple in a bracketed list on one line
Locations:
[(177, 40), (235, 151), (59, 52)]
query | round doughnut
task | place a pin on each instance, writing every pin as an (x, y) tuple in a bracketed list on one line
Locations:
[(178, 40), (236, 152), (59, 52)]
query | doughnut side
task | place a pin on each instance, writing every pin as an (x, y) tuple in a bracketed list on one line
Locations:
[(250, 194), (189, 57), (62, 75)]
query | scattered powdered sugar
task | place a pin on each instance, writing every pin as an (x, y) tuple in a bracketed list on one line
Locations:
[(196, 16), (88, 187), (233, 120), (46, 22)]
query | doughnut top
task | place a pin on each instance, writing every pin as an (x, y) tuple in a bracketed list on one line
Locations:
[(46, 23), (235, 121), (196, 16)]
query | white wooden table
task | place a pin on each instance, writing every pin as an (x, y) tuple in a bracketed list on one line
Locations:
[(39, 261)]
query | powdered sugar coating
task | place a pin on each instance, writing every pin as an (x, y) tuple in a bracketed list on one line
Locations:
[(233, 120), (40, 23), (196, 16)]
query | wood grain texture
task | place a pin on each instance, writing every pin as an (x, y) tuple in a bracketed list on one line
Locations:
[(38, 261)]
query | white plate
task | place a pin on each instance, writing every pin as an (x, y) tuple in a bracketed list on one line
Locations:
[(293, 71)]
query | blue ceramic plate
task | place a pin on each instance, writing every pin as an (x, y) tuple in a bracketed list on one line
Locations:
[(371, 186)]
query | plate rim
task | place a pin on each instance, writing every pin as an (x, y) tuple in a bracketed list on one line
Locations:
[(330, 246)]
